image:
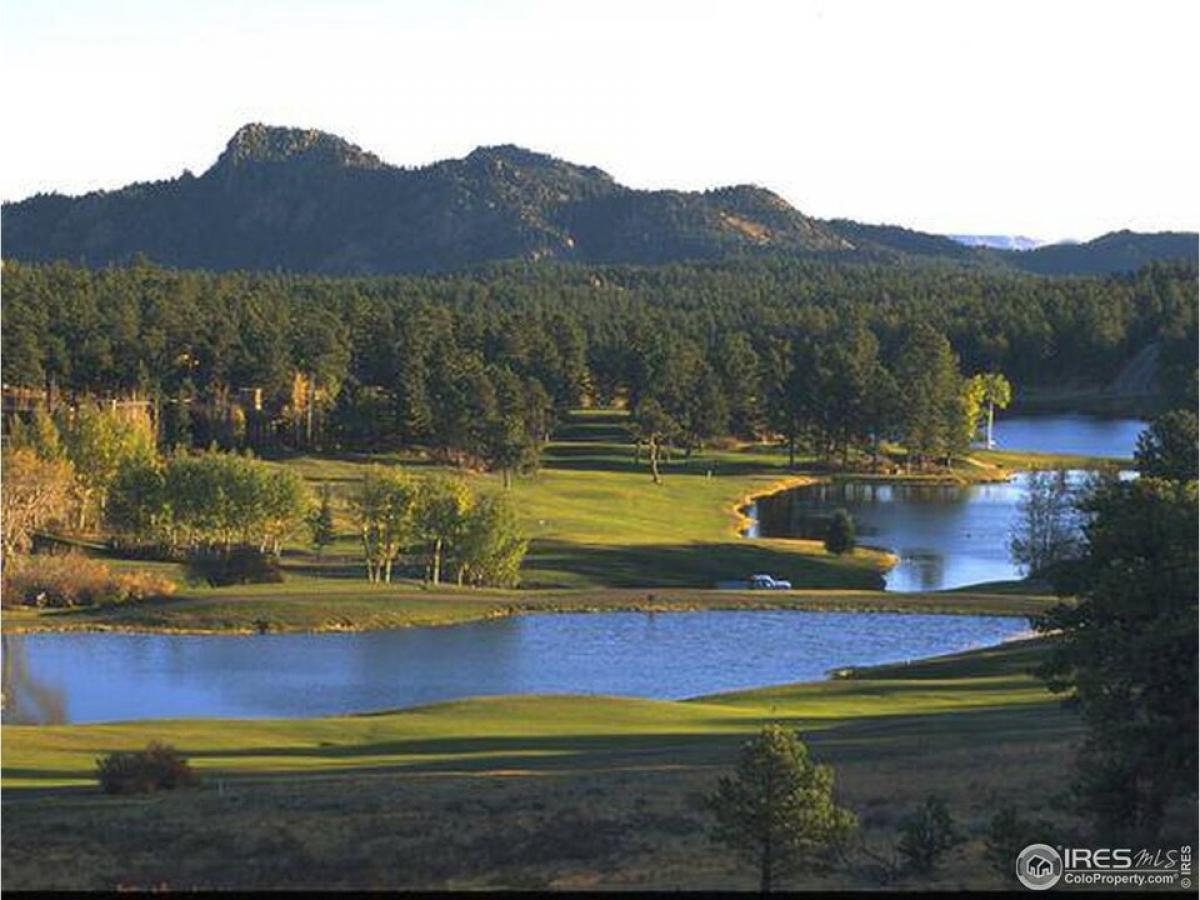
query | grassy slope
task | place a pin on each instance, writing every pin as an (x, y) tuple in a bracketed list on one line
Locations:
[(596, 519), (555, 791)]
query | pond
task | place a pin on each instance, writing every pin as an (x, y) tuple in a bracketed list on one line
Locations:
[(1082, 434), (110, 677), (946, 536)]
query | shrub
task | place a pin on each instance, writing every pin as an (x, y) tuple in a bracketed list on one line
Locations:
[(70, 580), (241, 564), (159, 767), (926, 835), (142, 585), (839, 538)]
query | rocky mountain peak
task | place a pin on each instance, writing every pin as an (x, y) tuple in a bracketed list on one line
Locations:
[(259, 143)]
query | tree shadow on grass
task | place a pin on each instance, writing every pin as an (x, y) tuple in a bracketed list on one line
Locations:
[(857, 740), (387, 457), (343, 568), (552, 563), (608, 429), (585, 457)]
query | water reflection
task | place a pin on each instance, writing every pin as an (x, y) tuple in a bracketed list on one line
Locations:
[(28, 700), (924, 568)]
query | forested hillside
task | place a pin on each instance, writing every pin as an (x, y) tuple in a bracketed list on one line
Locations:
[(482, 364), (1121, 250), (311, 202), (307, 201)]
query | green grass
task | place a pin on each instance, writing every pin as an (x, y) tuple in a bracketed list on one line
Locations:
[(315, 604), (1027, 460), (1023, 587), (596, 519)]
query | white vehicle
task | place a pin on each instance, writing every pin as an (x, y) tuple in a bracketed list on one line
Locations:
[(756, 583), (767, 583)]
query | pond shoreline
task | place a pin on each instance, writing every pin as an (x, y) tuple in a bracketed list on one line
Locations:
[(249, 612), (887, 559), (899, 542), (390, 611), (453, 612), (979, 473)]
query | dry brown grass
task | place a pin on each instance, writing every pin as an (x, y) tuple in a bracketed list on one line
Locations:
[(635, 826), (72, 580)]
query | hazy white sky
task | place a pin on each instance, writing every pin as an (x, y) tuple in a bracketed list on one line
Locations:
[(1047, 118)]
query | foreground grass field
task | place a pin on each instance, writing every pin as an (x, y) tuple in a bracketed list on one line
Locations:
[(561, 791)]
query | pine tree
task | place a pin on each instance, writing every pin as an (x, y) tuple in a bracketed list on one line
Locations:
[(1124, 648), (778, 810), (321, 521), (839, 538)]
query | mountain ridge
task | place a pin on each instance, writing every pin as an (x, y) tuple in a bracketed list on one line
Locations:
[(309, 201)]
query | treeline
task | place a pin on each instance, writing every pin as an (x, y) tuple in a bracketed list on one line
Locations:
[(481, 366)]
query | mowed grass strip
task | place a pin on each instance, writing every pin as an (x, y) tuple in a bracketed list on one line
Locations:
[(319, 605), (1028, 460)]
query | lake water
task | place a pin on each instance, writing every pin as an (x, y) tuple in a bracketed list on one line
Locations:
[(109, 677), (946, 536), (1086, 435)]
